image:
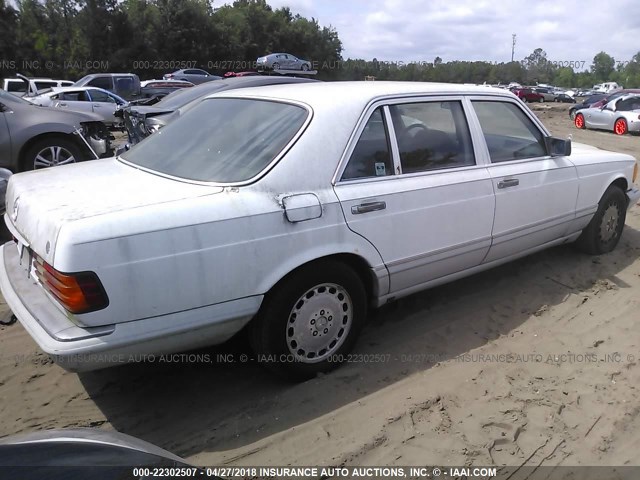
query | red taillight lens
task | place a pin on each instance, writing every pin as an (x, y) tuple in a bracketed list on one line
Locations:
[(77, 292)]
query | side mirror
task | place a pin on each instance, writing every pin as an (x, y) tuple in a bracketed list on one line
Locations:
[(558, 147)]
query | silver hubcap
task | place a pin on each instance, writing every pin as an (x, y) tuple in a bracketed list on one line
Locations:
[(609, 225), (52, 156), (319, 322)]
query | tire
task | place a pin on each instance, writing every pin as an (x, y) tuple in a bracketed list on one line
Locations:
[(620, 127), (605, 228), (50, 152), (579, 121), (572, 114), (276, 66), (541, 99), (305, 67), (524, 99), (294, 332)]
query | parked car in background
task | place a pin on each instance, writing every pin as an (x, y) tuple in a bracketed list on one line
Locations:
[(586, 103), (152, 91), (141, 121), (291, 210), (612, 96), (528, 95), (31, 86), (548, 94), (193, 75), (282, 61), (33, 137), (607, 87), (125, 85), (83, 99), (620, 115), (564, 98)]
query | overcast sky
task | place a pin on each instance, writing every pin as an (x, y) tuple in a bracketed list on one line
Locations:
[(420, 30)]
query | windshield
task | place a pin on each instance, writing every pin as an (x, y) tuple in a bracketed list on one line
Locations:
[(181, 97), (224, 140)]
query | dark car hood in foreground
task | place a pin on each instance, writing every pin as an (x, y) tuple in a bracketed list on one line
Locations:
[(83, 453)]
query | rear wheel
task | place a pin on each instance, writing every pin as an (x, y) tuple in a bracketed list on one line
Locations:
[(579, 121), (572, 114), (541, 99), (620, 127), (310, 320), (51, 152), (604, 231)]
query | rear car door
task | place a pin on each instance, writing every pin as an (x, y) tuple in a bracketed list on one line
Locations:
[(409, 183), (536, 194)]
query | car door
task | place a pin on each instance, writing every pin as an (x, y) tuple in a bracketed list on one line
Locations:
[(77, 100), (103, 104), (600, 117), (410, 185), (535, 193), (5, 137)]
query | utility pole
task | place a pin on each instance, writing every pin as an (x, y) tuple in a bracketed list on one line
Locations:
[(513, 45)]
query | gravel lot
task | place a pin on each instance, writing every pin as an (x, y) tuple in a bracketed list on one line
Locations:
[(536, 361)]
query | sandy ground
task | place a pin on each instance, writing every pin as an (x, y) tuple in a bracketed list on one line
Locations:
[(534, 362)]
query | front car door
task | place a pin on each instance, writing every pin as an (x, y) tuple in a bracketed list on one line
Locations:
[(5, 137), (410, 184), (103, 104), (535, 193), (77, 100), (601, 117)]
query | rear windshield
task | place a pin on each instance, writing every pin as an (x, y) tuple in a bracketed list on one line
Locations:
[(223, 140)]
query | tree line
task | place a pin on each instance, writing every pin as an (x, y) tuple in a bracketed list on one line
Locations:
[(70, 38)]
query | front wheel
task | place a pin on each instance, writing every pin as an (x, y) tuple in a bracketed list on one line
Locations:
[(276, 66), (620, 127), (579, 121), (51, 152), (541, 99), (305, 67), (310, 320), (604, 231)]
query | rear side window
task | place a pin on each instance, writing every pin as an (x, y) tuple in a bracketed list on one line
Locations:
[(101, 82), (432, 136), (509, 133), (371, 156), (221, 140)]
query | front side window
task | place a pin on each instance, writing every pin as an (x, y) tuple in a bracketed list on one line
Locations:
[(79, 96), (432, 136), (509, 133), (222, 140), (371, 156), (99, 96)]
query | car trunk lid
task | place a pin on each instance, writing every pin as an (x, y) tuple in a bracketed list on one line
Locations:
[(39, 203)]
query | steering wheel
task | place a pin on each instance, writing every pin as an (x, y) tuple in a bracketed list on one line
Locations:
[(412, 130)]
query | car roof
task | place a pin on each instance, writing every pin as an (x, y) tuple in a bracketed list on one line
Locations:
[(359, 91)]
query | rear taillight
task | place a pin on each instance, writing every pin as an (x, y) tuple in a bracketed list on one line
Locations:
[(77, 292)]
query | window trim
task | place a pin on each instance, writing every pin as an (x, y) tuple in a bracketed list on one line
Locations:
[(536, 122), (477, 138)]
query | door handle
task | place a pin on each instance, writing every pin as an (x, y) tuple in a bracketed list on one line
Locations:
[(62, 104), (509, 182), (368, 207)]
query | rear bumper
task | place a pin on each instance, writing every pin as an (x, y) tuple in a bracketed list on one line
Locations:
[(634, 196), (78, 348)]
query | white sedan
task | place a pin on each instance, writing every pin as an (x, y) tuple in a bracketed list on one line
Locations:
[(83, 99), (291, 210)]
